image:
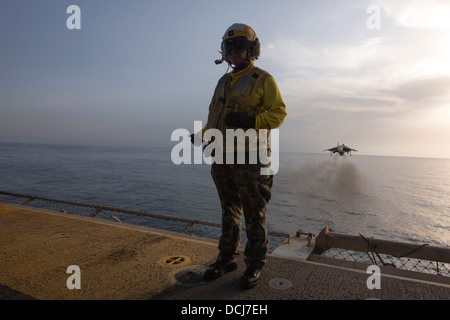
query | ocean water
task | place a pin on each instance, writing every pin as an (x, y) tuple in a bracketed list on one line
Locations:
[(397, 198)]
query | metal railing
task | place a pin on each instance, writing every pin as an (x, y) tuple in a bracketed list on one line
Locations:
[(193, 227), (423, 258)]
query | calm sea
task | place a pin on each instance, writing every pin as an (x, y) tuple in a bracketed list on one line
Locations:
[(398, 198)]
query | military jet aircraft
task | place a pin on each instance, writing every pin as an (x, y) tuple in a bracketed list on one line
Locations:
[(341, 149)]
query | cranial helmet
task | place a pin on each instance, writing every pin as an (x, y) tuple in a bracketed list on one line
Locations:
[(240, 37)]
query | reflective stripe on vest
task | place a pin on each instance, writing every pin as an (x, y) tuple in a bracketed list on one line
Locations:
[(234, 98)]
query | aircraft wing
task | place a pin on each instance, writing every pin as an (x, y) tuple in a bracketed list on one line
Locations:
[(347, 149), (331, 149)]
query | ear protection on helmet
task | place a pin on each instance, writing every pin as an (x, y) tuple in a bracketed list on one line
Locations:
[(255, 50), (240, 37)]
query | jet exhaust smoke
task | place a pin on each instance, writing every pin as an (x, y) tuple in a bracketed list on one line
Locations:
[(322, 183)]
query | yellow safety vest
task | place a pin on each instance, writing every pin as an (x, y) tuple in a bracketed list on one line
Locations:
[(240, 92)]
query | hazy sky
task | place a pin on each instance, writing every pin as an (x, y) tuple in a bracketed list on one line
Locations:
[(137, 70)]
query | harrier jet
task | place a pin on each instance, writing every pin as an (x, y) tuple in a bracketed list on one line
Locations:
[(341, 149)]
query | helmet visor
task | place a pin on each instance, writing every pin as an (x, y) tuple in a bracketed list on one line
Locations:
[(238, 44)]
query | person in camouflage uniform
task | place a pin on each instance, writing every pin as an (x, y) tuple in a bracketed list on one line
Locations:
[(246, 98), (241, 186)]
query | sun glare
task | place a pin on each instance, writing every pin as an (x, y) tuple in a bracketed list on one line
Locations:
[(443, 52)]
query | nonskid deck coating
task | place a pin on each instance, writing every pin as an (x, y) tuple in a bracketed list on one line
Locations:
[(123, 262)]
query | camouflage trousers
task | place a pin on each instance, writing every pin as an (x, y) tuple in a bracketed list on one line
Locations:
[(241, 187)]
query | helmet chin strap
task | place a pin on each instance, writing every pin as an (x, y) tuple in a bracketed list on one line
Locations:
[(235, 68), (243, 65)]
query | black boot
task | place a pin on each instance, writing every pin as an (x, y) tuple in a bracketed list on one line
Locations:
[(218, 269), (250, 278)]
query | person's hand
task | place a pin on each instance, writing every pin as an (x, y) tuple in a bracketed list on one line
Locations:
[(240, 120)]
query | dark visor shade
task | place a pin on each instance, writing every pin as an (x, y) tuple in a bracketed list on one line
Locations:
[(238, 44)]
